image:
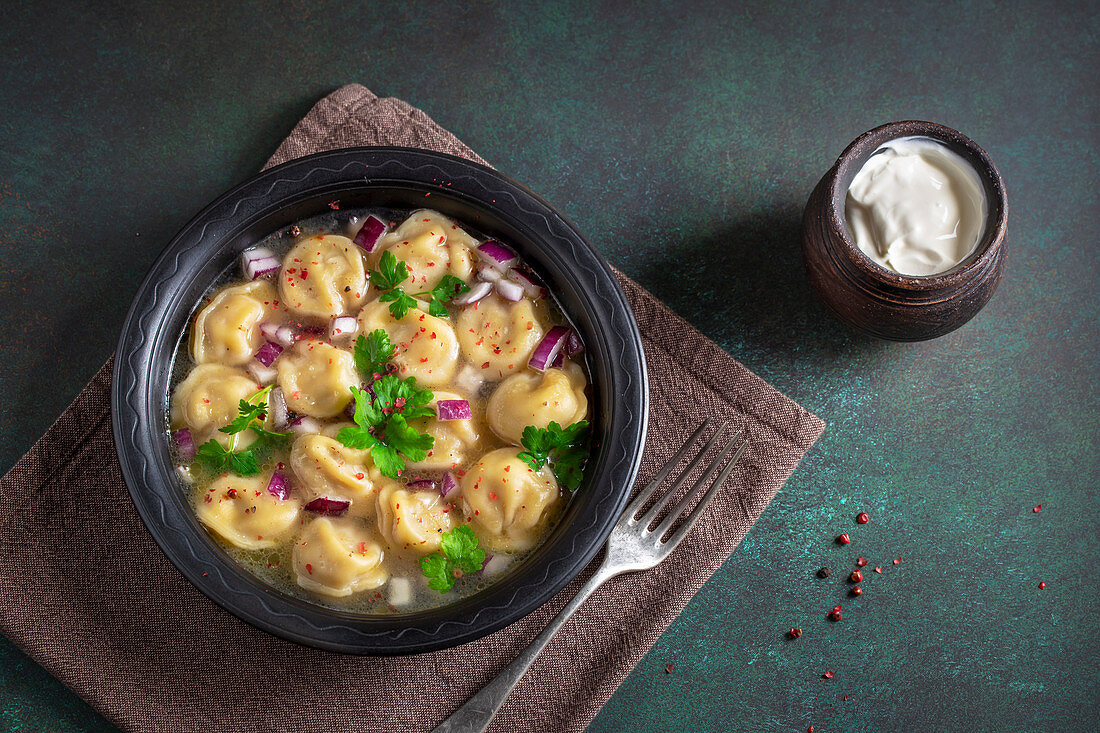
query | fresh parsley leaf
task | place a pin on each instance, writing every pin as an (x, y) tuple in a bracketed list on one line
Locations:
[(460, 547), (395, 395), (459, 555), (251, 412), (387, 460), (244, 463), (565, 448), (445, 291), (437, 309), (212, 456), (381, 423), (406, 440), (372, 353), (401, 303), (391, 272), (252, 408), (437, 570)]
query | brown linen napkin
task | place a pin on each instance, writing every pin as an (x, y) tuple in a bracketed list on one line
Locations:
[(87, 594)]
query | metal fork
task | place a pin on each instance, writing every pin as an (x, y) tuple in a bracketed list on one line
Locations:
[(631, 546)]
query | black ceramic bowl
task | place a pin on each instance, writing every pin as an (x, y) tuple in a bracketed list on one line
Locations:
[(491, 204)]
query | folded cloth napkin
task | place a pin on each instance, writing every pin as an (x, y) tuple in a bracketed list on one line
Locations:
[(87, 594)]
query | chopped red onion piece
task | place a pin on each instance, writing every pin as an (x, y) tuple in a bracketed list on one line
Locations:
[(185, 444), (497, 255), (328, 507), (259, 262), (573, 344), (263, 375), (496, 565), (276, 405), (485, 562), (454, 410), (342, 327), (530, 287), (420, 484), (559, 360), (448, 484), (282, 335), (369, 234), (304, 426), (509, 290), (268, 353), (470, 379), (278, 486), (489, 274), (549, 348), (476, 292)]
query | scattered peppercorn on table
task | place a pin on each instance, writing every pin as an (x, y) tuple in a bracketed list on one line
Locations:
[(932, 564)]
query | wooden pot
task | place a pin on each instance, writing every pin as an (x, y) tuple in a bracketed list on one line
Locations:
[(878, 301)]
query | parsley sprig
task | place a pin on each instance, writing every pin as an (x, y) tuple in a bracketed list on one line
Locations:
[(460, 555), (565, 448), (392, 272), (372, 353), (251, 413), (381, 425)]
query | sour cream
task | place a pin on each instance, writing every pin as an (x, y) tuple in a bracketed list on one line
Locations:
[(916, 207)]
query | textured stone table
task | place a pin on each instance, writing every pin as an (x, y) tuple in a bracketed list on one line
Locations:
[(683, 139)]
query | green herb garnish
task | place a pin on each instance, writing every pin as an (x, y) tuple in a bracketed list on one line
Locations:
[(381, 423), (251, 413), (566, 449), (449, 287), (460, 555), (372, 353), (392, 272)]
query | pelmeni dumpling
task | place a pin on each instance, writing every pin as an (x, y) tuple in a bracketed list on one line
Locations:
[(425, 347), (497, 336), (338, 557), (323, 466), (413, 521), (227, 329), (316, 378), (507, 502), (530, 398), (323, 277), (241, 510), (453, 438), (208, 400), (431, 245)]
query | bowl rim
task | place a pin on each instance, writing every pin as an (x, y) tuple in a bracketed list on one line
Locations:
[(850, 161), (217, 234)]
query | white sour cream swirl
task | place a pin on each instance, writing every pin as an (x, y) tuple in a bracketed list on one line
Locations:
[(916, 207)]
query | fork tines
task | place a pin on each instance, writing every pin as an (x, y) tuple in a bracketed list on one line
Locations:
[(722, 464)]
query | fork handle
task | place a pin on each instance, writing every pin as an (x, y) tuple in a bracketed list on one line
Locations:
[(476, 714)]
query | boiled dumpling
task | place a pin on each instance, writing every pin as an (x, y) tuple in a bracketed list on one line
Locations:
[(338, 557), (530, 398), (425, 347), (241, 510), (413, 521), (431, 245), (323, 466), (323, 277), (316, 378), (498, 336), (227, 330), (208, 400), (453, 438), (507, 502)]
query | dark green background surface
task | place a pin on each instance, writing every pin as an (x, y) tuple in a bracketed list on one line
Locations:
[(683, 139)]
